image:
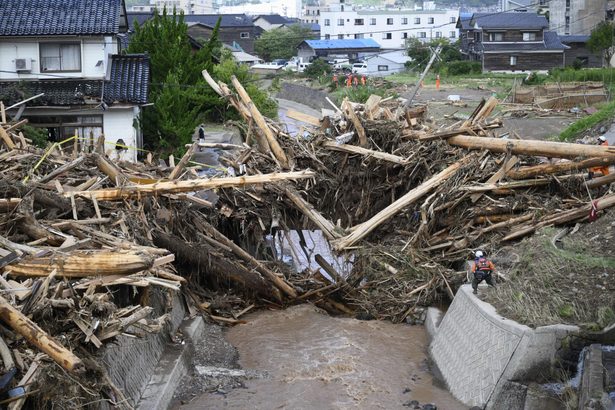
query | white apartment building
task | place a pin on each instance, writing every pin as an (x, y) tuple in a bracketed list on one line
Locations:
[(390, 28), (188, 6)]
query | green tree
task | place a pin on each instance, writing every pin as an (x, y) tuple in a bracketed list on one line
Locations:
[(420, 52), (181, 97), (318, 68), (601, 39), (281, 42)]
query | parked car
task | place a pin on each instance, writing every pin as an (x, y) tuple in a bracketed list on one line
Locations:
[(279, 61), (359, 68)]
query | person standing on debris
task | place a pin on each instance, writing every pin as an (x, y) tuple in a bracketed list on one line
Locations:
[(604, 170), (363, 80), (437, 81), (348, 80), (482, 270), (355, 80)]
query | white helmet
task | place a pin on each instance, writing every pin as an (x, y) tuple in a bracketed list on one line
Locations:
[(602, 138), (479, 254)]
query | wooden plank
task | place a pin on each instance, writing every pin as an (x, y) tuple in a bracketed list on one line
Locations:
[(300, 116), (6, 139), (182, 163), (353, 149), (352, 116)]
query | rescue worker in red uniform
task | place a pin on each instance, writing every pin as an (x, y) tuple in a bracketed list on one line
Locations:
[(483, 269)]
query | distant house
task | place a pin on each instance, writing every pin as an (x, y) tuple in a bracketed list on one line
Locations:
[(386, 63), (271, 21), (69, 51), (353, 48), (577, 51), (314, 28), (515, 41), (236, 30)]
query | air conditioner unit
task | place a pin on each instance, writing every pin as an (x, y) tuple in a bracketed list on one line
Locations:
[(23, 65)]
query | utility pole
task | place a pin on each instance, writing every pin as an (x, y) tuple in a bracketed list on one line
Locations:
[(434, 55)]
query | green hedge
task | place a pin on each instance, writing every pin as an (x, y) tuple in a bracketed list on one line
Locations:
[(582, 125), (464, 67)]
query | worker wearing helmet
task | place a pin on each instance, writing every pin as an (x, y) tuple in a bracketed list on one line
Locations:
[(482, 270), (604, 170)]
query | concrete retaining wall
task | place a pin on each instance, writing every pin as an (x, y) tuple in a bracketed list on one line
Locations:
[(305, 95), (477, 351), (130, 362)]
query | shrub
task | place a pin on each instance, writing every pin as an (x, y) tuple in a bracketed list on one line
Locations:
[(464, 67), (580, 126), (318, 68)]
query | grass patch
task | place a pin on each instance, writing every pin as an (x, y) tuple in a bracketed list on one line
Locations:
[(360, 94), (576, 129)]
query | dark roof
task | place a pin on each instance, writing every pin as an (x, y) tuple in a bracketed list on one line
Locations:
[(551, 43), (128, 83), (209, 20), (519, 20), (273, 18), (463, 22), (574, 39), (60, 17), (357, 43), (128, 79)]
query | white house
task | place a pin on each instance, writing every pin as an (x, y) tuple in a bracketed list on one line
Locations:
[(386, 63), (390, 28), (68, 50)]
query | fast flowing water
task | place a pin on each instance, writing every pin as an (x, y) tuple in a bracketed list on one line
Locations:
[(315, 361)]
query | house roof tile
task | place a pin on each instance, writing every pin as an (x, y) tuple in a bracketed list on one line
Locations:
[(129, 79), (510, 20), (60, 17), (273, 18)]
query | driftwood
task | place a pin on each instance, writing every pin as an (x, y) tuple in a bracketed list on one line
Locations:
[(547, 169)]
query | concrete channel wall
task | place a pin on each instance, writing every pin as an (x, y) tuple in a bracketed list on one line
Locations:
[(305, 95), (478, 351)]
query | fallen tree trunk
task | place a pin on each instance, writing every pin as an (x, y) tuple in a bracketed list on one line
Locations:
[(37, 336), (362, 230), (8, 204), (83, 263), (603, 180), (545, 169), (532, 147), (174, 187), (327, 227)]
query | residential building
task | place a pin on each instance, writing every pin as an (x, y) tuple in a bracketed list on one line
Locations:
[(578, 53), (576, 17), (386, 63), (312, 9), (520, 5), (270, 21), (287, 8), (140, 8), (390, 28), (187, 6), (69, 51), (236, 30), (353, 49), (514, 41)]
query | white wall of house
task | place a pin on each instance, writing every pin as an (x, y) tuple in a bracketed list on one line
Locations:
[(118, 124), (390, 28), (385, 64), (92, 50)]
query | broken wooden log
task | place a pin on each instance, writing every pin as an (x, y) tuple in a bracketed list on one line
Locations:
[(353, 149), (37, 336), (532, 147), (546, 169), (352, 116), (327, 227), (83, 263), (171, 187), (182, 163), (362, 230)]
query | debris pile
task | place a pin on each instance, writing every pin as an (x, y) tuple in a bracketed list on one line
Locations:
[(83, 239)]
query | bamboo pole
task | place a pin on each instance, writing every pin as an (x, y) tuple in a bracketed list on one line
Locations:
[(174, 187), (412, 196), (532, 147), (277, 150), (37, 336)]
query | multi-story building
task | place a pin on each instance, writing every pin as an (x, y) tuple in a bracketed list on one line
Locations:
[(576, 17), (312, 9), (390, 28), (287, 8), (187, 6)]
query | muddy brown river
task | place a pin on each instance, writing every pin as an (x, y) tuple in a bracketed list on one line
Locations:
[(310, 360)]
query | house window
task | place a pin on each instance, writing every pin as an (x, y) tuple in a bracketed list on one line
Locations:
[(513, 60), (340, 36), (60, 56), (529, 36), (438, 34), (372, 22), (387, 36), (390, 21), (453, 20), (340, 22), (404, 35), (327, 22), (417, 20), (318, 12), (496, 36), (452, 34), (244, 34), (359, 35), (404, 20), (327, 37), (383, 68), (422, 34), (358, 22), (429, 20)]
